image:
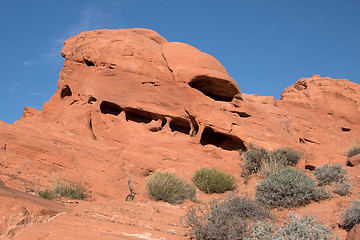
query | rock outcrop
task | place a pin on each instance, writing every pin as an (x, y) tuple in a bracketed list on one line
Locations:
[(129, 102)]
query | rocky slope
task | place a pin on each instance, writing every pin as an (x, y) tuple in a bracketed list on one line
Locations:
[(128, 103)]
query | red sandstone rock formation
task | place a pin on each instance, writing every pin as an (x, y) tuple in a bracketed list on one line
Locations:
[(128, 103)]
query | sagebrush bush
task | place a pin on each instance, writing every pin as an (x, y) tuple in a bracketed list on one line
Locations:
[(169, 188), (211, 180), (267, 162), (286, 156), (341, 188), (288, 187), (327, 174), (295, 227), (63, 188), (253, 159), (352, 215), (354, 150), (226, 219)]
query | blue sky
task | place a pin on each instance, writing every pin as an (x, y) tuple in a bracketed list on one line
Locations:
[(265, 45)]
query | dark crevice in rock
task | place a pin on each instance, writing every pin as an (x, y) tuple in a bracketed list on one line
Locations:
[(89, 63), (215, 88), (242, 114), (345, 129), (310, 167), (163, 122), (66, 92), (167, 65), (222, 140), (180, 125), (194, 125), (139, 116), (73, 102), (110, 108), (155, 84), (91, 127), (305, 140), (91, 99)]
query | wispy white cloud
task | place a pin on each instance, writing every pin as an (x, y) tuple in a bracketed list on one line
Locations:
[(38, 94), (28, 63), (91, 18), (14, 87)]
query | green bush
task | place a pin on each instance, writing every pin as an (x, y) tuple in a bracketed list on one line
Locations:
[(354, 150), (226, 219), (267, 162), (46, 193), (63, 188), (211, 180), (169, 188), (327, 174), (295, 227), (70, 190), (352, 215), (288, 187)]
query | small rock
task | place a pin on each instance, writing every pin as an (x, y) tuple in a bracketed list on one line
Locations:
[(353, 161)]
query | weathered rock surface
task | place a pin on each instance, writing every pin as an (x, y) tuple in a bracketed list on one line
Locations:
[(354, 160), (354, 233), (129, 103)]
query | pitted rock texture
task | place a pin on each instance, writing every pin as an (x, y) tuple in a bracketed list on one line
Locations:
[(129, 103)]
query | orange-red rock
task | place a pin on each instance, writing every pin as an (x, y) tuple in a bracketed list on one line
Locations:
[(354, 160), (129, 102), (354, 233)]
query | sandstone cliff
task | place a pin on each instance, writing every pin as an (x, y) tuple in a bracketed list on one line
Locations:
[(128, 103)]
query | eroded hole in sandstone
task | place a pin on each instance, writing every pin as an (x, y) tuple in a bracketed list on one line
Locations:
[(91, 99), (163, 122), (89, 63), (310, 167), (138, 116), (66, 92), (110, 108), (180, 125), (194, 125), (242, 114), (345, 129), (215, 88), (222, 140)]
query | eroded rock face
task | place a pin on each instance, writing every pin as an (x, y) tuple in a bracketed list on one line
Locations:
[(354, 233), (129, 102)]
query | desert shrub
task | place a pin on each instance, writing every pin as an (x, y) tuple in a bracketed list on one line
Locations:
[(352, 215), (211, 180), (169, 188), (262, 230), (341, 188), (327, 174), (253, 159), (288, 187), (63, 188), (303, 228), (354, 150), (226, 219), (267, 162), (294, 228), (46, 193), (70, 190), (286, 156)]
